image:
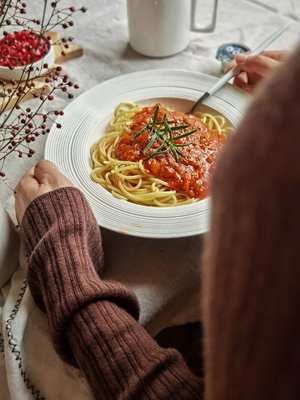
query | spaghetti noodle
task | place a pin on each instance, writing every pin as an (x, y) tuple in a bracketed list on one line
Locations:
[(123, 167)]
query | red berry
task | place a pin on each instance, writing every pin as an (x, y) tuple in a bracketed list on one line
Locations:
[(19, 48)]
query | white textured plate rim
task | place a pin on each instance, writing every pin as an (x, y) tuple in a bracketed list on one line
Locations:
[(68, 147)]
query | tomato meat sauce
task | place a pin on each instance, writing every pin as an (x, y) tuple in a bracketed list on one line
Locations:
[(191, 172)]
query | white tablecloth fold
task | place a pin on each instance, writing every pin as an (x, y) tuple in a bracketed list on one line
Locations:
[(29, 366)]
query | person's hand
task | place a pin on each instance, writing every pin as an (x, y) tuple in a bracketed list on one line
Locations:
[(254, 68), (42, 178)]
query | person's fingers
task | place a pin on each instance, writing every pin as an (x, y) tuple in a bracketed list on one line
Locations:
[(45, 171), (258, 64), (241, 79), (276, 55), (30, 172), (42, 178), (48, 174), (246, 87), (254, 68), (233, 64), (25, 180), (279, 55), (23, 193), (230, 66)]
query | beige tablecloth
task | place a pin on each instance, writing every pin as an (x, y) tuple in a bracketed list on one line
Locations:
[(167, 284)]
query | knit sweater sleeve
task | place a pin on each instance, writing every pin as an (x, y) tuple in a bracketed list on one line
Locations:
[(251, 277), (93, 323)]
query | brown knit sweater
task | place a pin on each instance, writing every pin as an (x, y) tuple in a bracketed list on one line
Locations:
[(93, 323), (252, 276)]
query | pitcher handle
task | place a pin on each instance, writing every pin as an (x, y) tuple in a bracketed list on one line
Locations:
[(211, 26)]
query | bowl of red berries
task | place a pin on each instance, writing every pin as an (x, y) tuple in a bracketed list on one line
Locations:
[(24, 55)]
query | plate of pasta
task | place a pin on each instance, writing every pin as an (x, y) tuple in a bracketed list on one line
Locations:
[(130, 147)]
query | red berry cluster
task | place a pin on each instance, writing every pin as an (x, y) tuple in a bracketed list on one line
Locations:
[(22, 47), (20, 127)]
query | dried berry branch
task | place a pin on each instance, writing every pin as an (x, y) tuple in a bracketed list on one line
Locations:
[(20, 125)]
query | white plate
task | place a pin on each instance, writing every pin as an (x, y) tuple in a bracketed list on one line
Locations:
[(86, 118)]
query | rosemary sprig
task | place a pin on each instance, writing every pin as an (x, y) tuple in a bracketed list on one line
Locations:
[(164, 132)]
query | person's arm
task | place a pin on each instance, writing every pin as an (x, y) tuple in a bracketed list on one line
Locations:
[(92, 322), (251, 275), (255, 68)]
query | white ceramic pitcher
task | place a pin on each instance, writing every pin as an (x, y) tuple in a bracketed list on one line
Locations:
[(161, 28)]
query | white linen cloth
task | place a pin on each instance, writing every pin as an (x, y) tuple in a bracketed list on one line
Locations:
[(169, 281)]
